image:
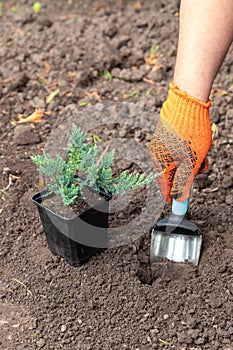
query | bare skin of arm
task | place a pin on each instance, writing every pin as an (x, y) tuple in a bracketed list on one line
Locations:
[(205, 35)]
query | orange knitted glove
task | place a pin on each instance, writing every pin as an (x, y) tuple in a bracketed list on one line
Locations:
[(180, 143)]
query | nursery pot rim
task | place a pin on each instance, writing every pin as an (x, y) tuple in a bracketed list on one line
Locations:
[(37, 199)]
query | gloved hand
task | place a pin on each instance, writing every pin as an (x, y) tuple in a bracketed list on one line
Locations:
[(180, 143)]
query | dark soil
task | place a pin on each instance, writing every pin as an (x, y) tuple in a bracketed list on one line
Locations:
[(117, 300), (54, 202)]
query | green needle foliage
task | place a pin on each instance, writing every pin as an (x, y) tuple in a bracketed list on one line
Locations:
[(83, 159)]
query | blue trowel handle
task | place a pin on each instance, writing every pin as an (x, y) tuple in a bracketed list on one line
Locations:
[(180, 208)]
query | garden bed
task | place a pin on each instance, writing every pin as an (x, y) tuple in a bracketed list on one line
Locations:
[(87, 53)]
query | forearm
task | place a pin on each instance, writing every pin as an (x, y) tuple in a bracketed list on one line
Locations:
[(206, 33)]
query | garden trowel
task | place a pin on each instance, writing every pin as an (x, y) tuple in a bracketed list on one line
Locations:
[(176, 238)]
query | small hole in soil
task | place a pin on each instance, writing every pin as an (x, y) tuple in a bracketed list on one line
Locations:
[(164, 270), (144, 275)]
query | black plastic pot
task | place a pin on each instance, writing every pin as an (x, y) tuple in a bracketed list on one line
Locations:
[(79, 238)]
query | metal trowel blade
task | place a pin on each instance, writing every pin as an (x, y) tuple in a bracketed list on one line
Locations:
[(179, 242)]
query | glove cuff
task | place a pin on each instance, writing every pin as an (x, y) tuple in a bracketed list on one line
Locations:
[(174, 88), (188, 115)]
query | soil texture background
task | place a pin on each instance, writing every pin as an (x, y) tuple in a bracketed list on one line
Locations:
[(60, 61)]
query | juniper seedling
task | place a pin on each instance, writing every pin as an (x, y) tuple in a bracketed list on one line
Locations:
[(83, 159)]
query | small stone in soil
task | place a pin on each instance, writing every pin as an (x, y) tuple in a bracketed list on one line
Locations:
[(229, 199), (24, 135), (40, 343), (63, 328), (48, 277)]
